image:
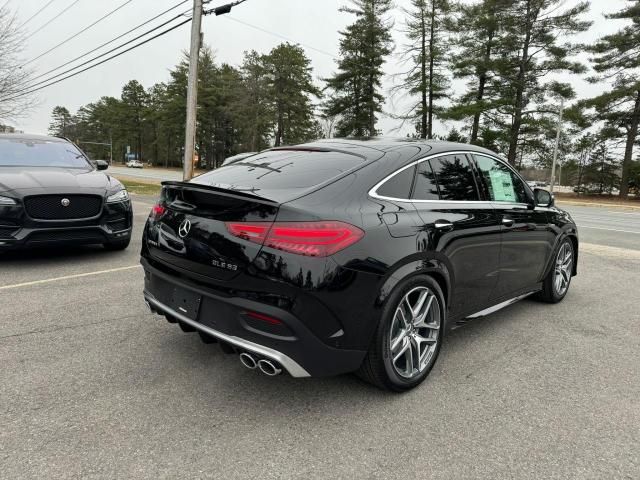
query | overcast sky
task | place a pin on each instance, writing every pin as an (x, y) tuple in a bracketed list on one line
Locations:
[(312, 23)]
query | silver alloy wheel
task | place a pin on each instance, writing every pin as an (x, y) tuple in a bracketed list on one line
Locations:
[(414, 332), (563, 269)]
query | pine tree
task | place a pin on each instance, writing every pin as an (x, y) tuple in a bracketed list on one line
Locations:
[(356, 87), (134, 100), (481, 26), (535, 46), (617, 59), (250, 109), (290, 92), (61, 121), (427, 55)]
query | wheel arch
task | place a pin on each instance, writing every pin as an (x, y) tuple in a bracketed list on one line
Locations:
[(436, 268), (571, 236)]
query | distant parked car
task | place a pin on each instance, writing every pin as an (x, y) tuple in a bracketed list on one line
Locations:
[(532, 184), (590, 188), (52, 194), (134, 164), (236, 158)]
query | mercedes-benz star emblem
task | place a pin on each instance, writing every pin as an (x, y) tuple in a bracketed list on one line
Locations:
[(184, 229), (65, 202)]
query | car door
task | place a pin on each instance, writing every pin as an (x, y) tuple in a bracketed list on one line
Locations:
[(527, 240), (460, 227)]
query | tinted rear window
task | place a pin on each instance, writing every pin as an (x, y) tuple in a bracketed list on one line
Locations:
[(280, 171), (456, 180), (426, 187), (40, 153), (398, 186)]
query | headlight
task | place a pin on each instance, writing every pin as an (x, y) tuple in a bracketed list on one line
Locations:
[(120, 196), (7, 201)]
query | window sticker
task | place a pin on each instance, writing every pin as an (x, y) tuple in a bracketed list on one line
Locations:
[(502, 186)]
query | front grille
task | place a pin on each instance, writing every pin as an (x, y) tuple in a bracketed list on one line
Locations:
[(88, 236), (52, 207)]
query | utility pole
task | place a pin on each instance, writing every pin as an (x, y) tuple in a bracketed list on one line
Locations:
[(192, 91), (555, 151), (560, 174)]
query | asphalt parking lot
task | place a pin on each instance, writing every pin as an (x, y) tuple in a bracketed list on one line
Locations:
[(93, 386)]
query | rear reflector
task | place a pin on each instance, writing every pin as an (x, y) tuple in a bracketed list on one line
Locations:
[(264, 318), (314, 239)]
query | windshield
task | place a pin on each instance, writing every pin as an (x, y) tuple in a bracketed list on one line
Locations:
[(40, 153)]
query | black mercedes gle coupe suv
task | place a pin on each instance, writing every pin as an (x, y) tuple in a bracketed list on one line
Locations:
[(51, 194), (341, 256)]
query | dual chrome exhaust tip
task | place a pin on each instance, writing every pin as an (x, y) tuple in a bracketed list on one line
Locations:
[(271, 368), (268, 367)]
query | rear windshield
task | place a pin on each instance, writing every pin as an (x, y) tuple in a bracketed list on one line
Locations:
[(40, 153), (276, 172)]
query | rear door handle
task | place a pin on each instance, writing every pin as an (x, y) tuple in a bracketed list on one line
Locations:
[(443, 225), (508, 222)]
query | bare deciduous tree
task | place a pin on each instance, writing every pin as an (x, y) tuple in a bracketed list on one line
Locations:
[(14, 80)]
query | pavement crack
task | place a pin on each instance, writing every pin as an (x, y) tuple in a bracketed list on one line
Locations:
[(58, 328)]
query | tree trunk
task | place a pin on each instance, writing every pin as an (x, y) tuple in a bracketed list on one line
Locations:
[(628, 153), (156, 150), (167, 158), (423, 78), (482, 82), (431, 69), (371, 86), (514, 133), (254, 130), (358, 128), (280, 129)]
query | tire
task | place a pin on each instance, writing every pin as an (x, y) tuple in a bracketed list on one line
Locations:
[(118, 244), (378, 367), (551, 291)]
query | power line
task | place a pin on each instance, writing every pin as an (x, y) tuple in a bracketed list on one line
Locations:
[(264, 30), (107, 52), (49, 82), (33, 90), (114, 39), (51, 21), (37, 13), (102, 54), (78, 33)]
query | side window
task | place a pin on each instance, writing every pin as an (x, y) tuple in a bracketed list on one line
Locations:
[(426, 187), (502, 184), (398, 186), (455, 178)]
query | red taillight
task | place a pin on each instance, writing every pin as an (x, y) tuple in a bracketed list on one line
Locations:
[(157, 211), (254, 232), (314, 239)]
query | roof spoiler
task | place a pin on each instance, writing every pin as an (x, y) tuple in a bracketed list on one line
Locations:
[(217, 190)]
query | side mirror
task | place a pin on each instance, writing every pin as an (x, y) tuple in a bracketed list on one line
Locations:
[(544, 198), (101, 164)]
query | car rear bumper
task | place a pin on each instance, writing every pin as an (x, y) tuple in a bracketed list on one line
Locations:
[(294, 347)]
